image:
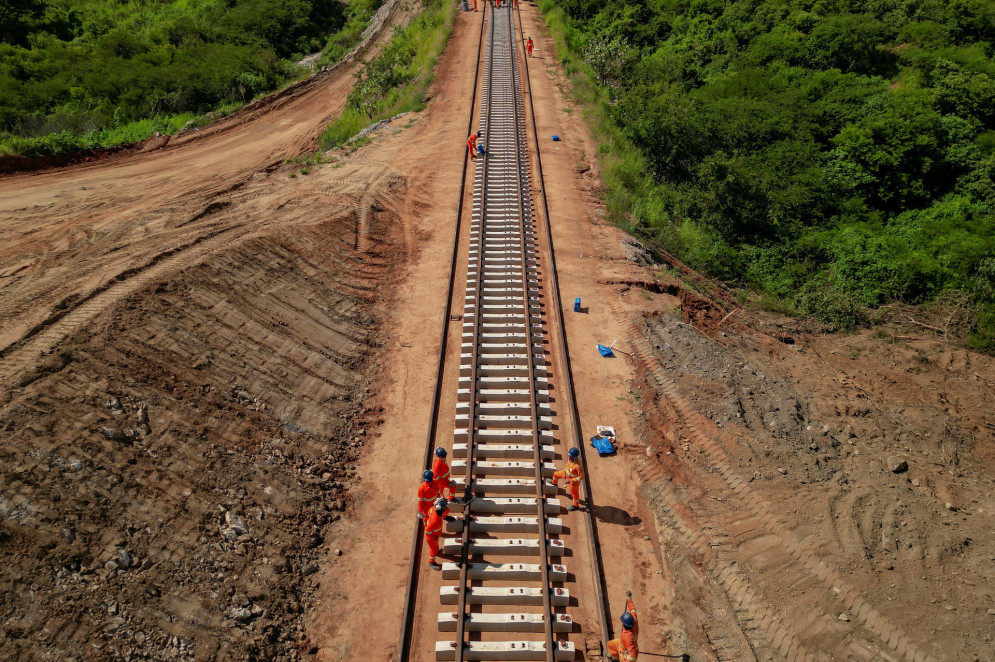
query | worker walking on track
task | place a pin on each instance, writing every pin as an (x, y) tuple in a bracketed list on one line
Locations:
[(626, 648), (433, 530), (443, 476), (428, 494), (573, 474), (528, 47)]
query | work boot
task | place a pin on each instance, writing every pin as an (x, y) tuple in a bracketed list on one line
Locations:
[(571, 507), (434, 566)]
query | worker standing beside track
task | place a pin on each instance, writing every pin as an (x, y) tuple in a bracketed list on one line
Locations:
[(443, 476), (573, 474), (428, 494), (626, 648), (433, 530), (529, 46)]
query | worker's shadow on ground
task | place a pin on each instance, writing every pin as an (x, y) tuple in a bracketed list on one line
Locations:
[(613, 515)]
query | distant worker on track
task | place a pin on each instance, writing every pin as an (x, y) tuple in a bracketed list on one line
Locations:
[(443, 476), (528, 47), (433, 530), (428, 494), (626, 648), (573, 474), (471, 144)]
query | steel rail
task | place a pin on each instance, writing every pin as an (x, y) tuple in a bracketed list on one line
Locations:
[(594, 545), (407, 615), (477, 320), (519, 124)]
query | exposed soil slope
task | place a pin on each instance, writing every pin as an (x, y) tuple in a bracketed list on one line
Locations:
[(187, 339)]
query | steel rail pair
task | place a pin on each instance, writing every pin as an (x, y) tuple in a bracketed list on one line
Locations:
[(502, 411)]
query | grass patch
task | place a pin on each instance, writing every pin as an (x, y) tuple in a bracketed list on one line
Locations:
[(631, 196), (396, 80)]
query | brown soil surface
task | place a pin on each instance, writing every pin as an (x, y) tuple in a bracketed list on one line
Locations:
[(280, 334)]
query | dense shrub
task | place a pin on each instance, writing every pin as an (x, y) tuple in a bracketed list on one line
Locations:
[(836, 154)]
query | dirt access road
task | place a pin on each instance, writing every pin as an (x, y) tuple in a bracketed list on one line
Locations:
[(213, 386)]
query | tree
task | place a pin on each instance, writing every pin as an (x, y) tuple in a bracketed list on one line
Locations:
[(15, 19)]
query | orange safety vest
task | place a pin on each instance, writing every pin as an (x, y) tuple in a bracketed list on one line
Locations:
[(573, 471), (440, 470), (428, 494), (629, 648)]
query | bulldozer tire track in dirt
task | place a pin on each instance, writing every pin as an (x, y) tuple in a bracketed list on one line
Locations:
[(702, 535)]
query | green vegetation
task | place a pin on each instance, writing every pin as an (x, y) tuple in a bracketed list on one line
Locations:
[(836, 155), (395, 81), (80, 74)]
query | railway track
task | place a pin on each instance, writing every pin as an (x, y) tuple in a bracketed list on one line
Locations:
[(505, 590)]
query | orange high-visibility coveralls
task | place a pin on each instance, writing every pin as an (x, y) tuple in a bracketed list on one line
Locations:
[(573, 474), (471, 145), (625, 648), (474, 5), (428, 494), (433, 529), (440, 470), (528, 47)]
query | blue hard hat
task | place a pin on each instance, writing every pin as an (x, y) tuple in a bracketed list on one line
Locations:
[(427, 475), (628, 622), (573, 452), (440, 452), (440, 506)]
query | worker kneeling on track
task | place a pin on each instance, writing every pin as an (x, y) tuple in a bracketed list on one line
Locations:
[(433, 530), (443, 476), (573, 474), (472, 146), (428, 494), (625, 648)]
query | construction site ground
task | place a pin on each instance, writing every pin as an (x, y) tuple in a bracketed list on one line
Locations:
[(215, 385)]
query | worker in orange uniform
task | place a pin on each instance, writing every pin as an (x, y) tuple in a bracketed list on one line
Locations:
[(433, 530), (443, 476), (573, 474), (428, 494), (528, 47), (626, 648), (471, 143), (474, 5)]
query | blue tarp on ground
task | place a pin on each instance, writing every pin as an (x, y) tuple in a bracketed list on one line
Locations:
[(603, 445)]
